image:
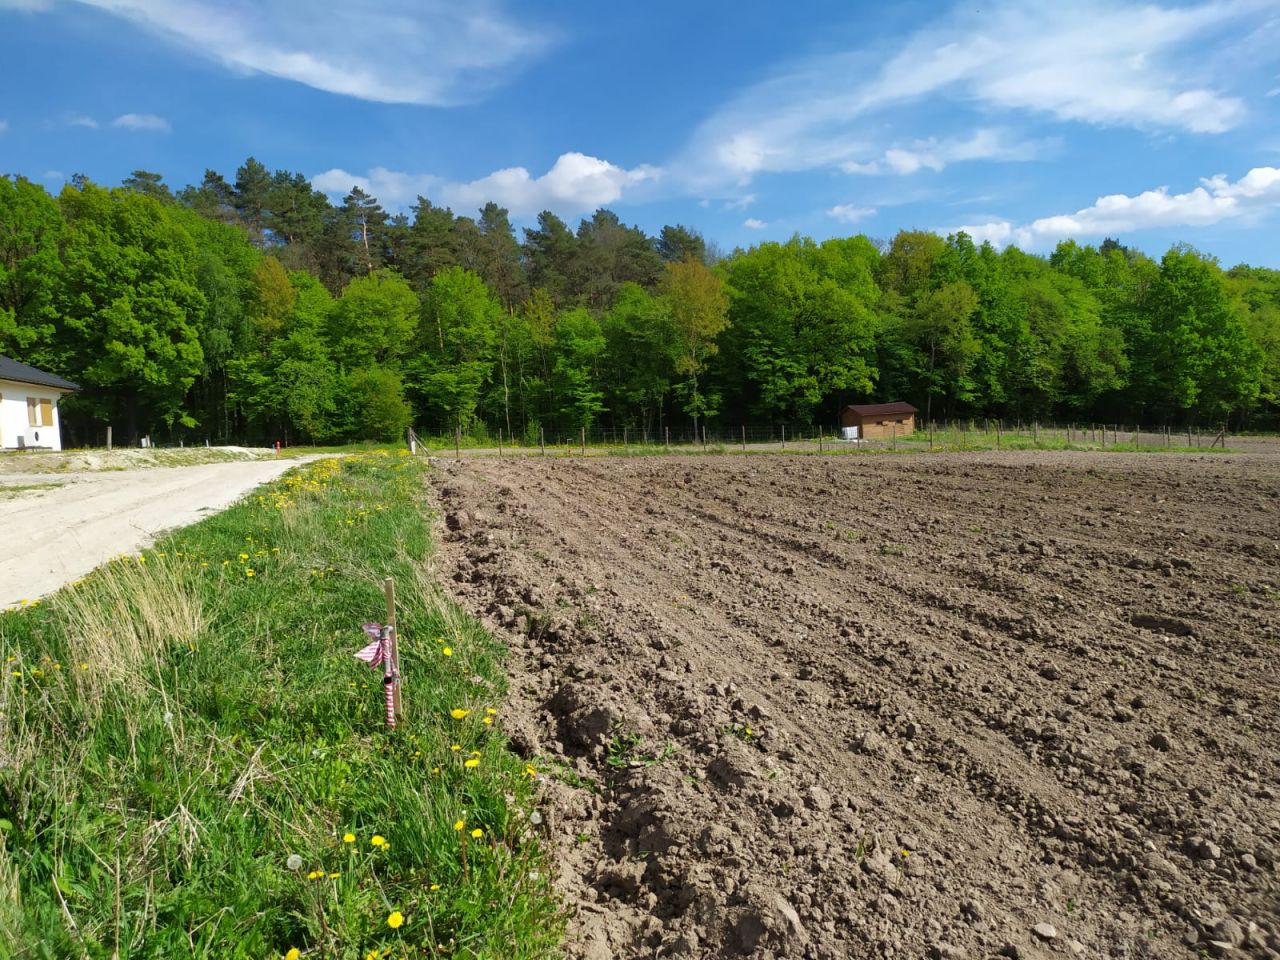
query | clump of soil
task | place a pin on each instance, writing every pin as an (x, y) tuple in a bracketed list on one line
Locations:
[(962, 706)]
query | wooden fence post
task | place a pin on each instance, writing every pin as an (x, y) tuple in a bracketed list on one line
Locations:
[(744, 438), (457, 442), (499, 443), (583, 439), (784, 436), (931, 436), (666, 431), (542, 440), (108, 436)]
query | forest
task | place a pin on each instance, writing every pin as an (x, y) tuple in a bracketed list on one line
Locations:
[(256, 309)]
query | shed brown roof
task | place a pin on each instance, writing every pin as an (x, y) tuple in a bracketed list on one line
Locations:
[(880, 409)]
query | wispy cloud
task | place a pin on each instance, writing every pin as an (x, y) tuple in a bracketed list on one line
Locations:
[(848, 213), (141, 122), (1215, 200), (576, 183), (934, 154), (82, 121), (396, 51), (751, 223), (1092, 62), (741, 203)]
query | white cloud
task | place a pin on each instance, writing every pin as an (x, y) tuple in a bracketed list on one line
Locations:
[(576, 183), (934, 154), (848, 213), (392, 188), (1094, 62), (395, 51), (751, 223), (1215, 200), (141, 121), (54, 175), (88, 122), (742, 202)]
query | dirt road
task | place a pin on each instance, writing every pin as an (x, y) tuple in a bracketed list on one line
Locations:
[(954, 706), (56, 528)]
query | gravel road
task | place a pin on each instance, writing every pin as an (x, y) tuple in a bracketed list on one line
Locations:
[(56, 528)]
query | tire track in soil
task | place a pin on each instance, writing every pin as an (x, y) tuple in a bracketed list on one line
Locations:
[(1049, 678)]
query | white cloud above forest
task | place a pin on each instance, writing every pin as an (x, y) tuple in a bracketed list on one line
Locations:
[(1105, 64), (141, 122), (1216, 199), (849, 213), (751, 223), (575, 183), (937, 154), (431, 52)]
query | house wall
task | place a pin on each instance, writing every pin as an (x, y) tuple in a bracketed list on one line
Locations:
[(875, 429), (13, 416)]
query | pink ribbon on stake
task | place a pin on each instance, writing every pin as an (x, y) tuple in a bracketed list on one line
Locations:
[(378, 653)]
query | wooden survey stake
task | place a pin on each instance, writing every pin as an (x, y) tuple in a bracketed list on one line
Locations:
[(389, 587)]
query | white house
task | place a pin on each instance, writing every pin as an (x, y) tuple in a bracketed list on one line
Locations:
[(29, 406)]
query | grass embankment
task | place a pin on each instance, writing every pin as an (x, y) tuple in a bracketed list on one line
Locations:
[(193, 764)]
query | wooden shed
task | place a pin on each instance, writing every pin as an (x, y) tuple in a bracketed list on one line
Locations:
[(875, 420)]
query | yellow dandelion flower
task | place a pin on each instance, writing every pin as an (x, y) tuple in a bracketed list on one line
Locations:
[(395, 920), (529, 770), (447, 651), (487, 721), (459, 714), (435, 769), (473, 762), (348, 838), (490, 711), (334, 876), (459, 824), (455, 748), (293, 954), (477, 833), (906, 853), (315, 874), (244, 556), (248, 573), (378, 840), (435, 887)]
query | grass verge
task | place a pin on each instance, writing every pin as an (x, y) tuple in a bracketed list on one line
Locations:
[(192, 763)]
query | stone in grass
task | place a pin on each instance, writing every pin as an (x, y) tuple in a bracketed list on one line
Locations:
[(1045, 931)]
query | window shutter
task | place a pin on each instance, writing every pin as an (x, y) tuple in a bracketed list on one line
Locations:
[(46, 413)]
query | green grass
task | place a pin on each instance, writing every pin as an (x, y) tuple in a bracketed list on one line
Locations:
[(174, 729)]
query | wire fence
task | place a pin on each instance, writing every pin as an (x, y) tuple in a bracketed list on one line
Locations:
[(937, 435)]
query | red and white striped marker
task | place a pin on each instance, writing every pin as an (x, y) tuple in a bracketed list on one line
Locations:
[(379, 653)]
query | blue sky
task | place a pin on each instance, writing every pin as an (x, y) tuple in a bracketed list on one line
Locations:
[(1020, 122)]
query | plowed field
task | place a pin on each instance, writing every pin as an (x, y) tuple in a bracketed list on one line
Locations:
[(983, 705)]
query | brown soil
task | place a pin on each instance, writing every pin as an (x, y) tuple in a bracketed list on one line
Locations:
[(1017, 705)]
